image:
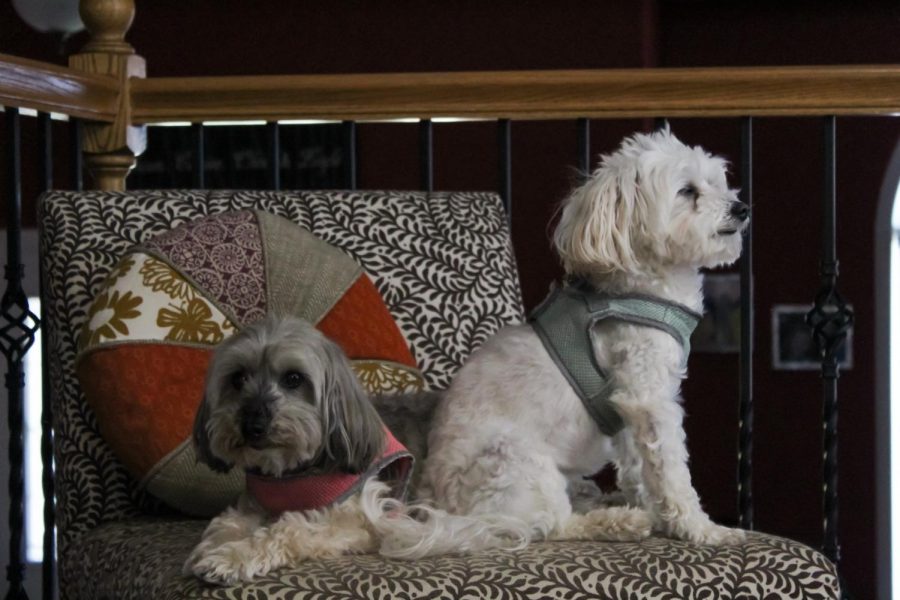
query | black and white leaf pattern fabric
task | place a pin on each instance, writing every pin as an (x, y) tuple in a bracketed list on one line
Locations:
[(115, 556), (444, 266)]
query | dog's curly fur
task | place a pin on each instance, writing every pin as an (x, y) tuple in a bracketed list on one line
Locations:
[(512, 437), (280, 397)]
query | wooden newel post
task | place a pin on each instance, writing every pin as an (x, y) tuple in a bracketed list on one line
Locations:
[(110, 148)]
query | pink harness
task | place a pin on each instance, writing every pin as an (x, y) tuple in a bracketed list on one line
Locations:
[(307, 492)]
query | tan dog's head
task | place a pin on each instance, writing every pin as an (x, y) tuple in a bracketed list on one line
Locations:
[(281, 396)]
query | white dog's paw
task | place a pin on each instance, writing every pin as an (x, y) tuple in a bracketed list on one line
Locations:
[(227, 564), (624, 523), (719, 535), (704, 531), (612, 523)]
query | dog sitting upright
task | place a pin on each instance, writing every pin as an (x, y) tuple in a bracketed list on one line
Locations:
[(595, 376)]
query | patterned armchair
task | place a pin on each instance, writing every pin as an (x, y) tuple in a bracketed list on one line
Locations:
[(444, 266)]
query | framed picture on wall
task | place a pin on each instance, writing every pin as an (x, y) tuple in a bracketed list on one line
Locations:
[(793, 346), (720, 329)]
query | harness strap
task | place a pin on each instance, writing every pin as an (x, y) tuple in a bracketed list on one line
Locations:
[(564, 323)]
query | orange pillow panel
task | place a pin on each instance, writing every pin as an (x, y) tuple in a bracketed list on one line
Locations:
[(145, 397)]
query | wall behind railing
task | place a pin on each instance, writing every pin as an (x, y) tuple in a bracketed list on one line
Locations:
[(231, 37), (786, 212), (63, 178)]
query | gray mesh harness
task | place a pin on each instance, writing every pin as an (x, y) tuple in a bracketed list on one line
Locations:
[(564, 322)]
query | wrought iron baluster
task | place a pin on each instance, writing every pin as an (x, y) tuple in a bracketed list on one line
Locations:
[(350, 148), (274, 154), (583, 128), (45, 147), (16, 337), (504, 148), (231, 165), (830, 319), (745, 427), (426, 154), (199, 166), (170, 160), (76, 131), (45, 151)]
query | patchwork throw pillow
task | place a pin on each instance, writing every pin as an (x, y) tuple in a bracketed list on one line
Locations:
[(168, 302)]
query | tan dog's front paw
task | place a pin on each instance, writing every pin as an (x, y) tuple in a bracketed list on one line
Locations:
[(197, 554), (227, 564)]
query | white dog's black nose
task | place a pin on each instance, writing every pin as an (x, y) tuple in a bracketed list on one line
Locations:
[(740, 211)]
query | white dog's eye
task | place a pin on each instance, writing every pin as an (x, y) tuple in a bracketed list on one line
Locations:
[(238, 379), (690, 192), (292, 380)]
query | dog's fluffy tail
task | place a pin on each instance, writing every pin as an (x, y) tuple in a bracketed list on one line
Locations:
[(410, 531)]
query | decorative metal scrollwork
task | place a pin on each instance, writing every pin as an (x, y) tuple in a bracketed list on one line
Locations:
[(17, 335), (830, 319), (21, 325)]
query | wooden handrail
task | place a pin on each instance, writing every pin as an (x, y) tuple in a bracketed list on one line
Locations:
[(713, 92), (50, 88)]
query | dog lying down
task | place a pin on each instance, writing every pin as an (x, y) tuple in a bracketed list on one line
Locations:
[(325, 474), (593, 378)]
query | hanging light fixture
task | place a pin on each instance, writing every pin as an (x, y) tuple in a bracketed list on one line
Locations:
[(50, 16)]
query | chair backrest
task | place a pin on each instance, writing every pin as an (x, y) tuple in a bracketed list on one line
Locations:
[(443, 263)]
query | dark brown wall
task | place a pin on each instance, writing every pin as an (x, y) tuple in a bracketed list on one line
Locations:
[(230, 37), (787, 213)]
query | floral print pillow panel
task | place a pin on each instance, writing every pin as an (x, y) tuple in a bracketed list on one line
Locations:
[(146, 299)]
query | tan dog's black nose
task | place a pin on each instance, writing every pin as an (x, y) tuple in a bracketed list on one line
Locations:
[(255, 420)]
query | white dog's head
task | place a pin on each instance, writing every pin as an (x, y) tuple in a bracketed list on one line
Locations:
[(281, 396), (653, 204)]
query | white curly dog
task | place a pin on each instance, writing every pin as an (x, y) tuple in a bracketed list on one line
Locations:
[(511, 436)]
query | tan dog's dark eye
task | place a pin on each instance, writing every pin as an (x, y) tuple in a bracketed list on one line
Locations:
[(292, 380), (238, 379)]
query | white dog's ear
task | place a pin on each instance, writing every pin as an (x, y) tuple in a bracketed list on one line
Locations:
[(354, 434), (594, 233), (201, 441)]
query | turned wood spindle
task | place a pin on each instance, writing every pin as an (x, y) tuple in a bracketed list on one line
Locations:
[(110, 148)]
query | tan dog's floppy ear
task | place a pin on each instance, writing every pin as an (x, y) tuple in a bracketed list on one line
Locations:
[(354, 434), (201, 441)]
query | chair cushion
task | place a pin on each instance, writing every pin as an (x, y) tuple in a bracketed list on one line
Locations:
[(151, 330), (442, 262), (143, 559)]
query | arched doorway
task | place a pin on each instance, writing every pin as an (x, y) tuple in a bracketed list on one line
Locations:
[(887, 306)]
